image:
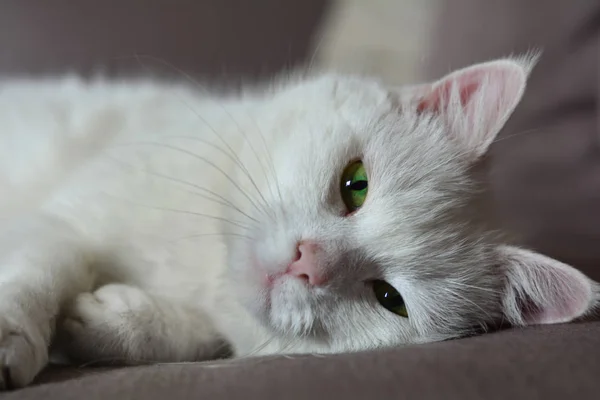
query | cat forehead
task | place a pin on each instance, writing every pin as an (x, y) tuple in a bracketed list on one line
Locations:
[(330, 120), (340, 93), (333, 116)]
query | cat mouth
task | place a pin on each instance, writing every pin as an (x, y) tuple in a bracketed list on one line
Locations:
[(282, 301), (271, 279), (278, 290)]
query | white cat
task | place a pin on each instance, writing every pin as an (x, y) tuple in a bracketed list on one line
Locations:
[(146, 222)]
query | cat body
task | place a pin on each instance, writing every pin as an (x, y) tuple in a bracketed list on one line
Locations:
[(121, 151), (149, 222)]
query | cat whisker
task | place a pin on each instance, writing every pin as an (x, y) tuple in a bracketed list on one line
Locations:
[(223, 202), (174, 210), (131, 361), (516, 134), (249, 142), (271, 163), (139, 57), (288, 345), (225, 153), (261, 347), (201, 87), (197, 235), (120, 361), (238, 162), (233, 154), (229, 156), (205, 160), (315, 53)]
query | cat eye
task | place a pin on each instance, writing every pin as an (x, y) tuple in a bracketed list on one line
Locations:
[(389, 298), (354, 186)]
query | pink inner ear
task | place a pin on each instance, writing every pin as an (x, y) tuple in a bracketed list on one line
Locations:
[(541, 290), (571, 300), (437, 100), (475, 102)]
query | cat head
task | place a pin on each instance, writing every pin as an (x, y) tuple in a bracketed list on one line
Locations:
[(367, 221)]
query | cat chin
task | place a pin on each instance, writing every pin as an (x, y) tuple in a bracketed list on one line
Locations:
[(277, 289), (281, 303), (289, 308)]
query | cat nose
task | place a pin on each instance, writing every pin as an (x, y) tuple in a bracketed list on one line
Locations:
[(305, 264)]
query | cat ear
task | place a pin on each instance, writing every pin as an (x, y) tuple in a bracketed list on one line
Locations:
[(475, 102), (541, 290)]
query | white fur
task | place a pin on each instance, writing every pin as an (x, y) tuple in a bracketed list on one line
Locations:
[(139, 219)]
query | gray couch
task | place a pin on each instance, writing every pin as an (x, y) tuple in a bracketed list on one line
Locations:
[(545, 174)]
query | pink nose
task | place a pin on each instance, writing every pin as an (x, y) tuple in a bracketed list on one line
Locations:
[(305, 265)]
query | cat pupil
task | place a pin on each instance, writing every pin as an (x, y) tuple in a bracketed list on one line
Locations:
[(359, 185)]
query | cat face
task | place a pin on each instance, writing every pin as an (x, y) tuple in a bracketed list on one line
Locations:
[(369, 223)]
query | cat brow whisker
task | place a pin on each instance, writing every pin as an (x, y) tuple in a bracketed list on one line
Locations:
[(199, 86), (197, 235), (220, 149), (174, 210), (205, 160), (224, 201), (139, 57), (239, 163), (236, 159), (249, 142), (244, 170), (271, 163)]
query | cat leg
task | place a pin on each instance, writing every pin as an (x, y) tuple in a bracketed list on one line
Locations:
[(123, 324), (42, 265)]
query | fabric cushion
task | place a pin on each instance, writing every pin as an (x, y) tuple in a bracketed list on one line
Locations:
[(552, 362)]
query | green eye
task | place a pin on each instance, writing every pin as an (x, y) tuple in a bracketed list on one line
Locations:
[(389, 298), (354, 186)]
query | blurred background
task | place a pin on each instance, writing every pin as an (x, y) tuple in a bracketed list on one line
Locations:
[(545, 166), (216, 39), (386, 38)]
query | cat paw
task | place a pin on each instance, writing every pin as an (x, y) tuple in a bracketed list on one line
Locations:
[(104, 326), (23, 352)]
